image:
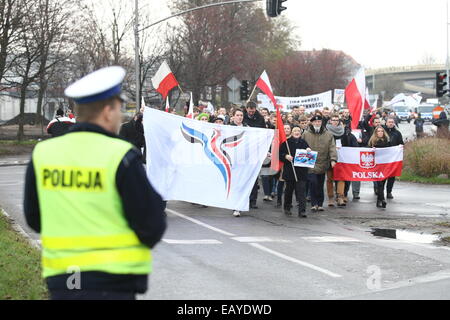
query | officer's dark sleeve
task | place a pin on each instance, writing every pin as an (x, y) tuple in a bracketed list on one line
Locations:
[(143, 206), (31, 201)]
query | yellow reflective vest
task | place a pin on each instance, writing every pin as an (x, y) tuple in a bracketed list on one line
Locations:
[(83, 226)]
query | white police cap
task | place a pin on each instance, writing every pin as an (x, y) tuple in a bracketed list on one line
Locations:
[(98, 85)]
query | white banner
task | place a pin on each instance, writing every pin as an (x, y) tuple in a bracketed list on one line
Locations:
[(199, 162), (311, 103)]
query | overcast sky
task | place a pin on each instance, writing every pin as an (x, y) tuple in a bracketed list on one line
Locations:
[(376, 34)]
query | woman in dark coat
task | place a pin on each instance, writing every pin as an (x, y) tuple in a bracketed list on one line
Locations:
[(298, 180), (380, 139)]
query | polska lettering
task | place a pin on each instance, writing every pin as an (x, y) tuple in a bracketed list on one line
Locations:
[(368, 175), (76, 179)]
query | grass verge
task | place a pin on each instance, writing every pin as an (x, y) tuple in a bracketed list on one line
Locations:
[(20, 266), (408, 176), (14, 147)]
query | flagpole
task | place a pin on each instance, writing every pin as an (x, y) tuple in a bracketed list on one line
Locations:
[(292, 163), (250, 97)]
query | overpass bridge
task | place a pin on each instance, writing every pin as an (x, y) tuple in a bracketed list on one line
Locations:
[(420, 78)]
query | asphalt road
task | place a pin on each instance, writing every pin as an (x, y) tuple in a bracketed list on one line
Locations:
[(208, 254)]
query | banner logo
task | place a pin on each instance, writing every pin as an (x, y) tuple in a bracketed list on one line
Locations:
[(215, 150), (367, 160)]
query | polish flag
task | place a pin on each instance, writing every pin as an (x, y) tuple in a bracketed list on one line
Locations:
[(164, 80), (355, 94), (190, 113), (263, 83), (365, 164)]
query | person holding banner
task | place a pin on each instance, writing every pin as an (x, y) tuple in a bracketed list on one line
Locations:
[(295, 177), (396, 139), (380, 139), (322, 141), (344, 138), (238, 118)]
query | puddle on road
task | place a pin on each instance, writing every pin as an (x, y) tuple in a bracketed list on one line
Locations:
[(405, 235)]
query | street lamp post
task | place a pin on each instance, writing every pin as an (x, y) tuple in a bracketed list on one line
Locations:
[(137, 56), (447, 62)]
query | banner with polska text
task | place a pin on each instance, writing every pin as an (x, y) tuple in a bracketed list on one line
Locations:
[(366, 164), (311, 103), (204, 163)]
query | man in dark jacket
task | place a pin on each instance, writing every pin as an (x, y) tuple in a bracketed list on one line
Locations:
[(396, 139), (133, 132), (252, 117), (418, 123), (442, 125)]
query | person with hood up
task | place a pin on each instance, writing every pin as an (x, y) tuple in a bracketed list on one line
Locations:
[(346, 139), (442, 125)]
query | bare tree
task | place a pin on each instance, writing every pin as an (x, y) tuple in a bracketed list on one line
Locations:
[(35, 49), (11, 18), (215, 43), (427, 59)]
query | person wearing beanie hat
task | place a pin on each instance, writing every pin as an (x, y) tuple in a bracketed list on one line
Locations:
[(220, 119), (203, 117)]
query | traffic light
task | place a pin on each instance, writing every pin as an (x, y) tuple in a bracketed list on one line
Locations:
[(441, 84), (244, 90), (275, 7)]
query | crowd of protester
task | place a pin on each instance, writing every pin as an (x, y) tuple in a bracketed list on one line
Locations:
[(318, 131)]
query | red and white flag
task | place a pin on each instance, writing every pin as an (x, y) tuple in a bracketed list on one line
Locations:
[(164, 80), (365, 164), (263, 83), (355, 94)]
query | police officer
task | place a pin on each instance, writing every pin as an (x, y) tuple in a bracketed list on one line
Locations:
[(87, 194)]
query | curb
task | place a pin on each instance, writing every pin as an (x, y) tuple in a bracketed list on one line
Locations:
[(34, 243), (14, 163)]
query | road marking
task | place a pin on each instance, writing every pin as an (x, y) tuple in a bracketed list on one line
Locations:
[(201, 223), (11, 184), (302, 263), (330, 239), (259, 239), (205, 241)]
